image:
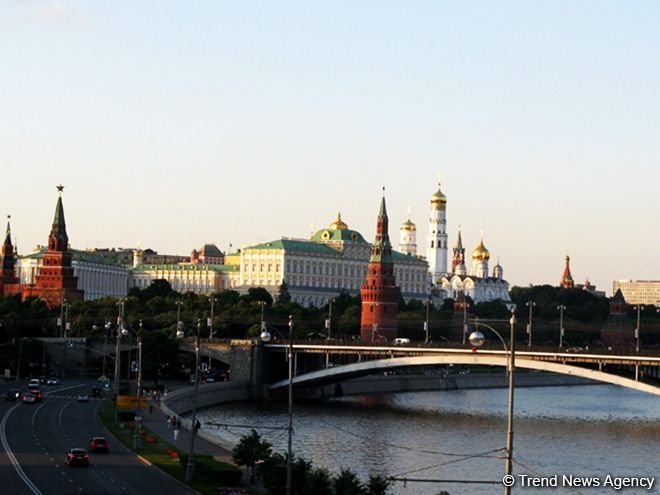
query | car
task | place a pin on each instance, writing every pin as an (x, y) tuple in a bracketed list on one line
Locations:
[(34, 383), (83, 397), (77, 457), (28, 398), (38, 395), (401, 341), (99, 444), (13, 394), (52, 381), (42, 380)]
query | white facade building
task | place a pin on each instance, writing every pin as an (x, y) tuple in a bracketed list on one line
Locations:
[(334, 260)]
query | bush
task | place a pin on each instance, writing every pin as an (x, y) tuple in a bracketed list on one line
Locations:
[(220, 472)]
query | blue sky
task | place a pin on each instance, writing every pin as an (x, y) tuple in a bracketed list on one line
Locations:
[(179, 123)]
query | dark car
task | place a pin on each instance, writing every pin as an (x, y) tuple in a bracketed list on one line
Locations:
[(99, 444), (13, 394), (77, 457), (28, 398)]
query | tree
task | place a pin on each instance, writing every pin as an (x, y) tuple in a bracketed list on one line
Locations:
[(319, 482), (259, 294), (347, 483), (283, 295), (250, 450), (377, 484)]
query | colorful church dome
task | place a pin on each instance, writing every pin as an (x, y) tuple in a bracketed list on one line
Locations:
[(338, 224)]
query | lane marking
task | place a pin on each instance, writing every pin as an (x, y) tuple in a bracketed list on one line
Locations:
[(17, 466)]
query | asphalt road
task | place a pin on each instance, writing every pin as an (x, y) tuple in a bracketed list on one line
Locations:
[(34, 440)]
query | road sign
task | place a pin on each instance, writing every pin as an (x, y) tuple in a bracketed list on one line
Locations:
[(7, 373)]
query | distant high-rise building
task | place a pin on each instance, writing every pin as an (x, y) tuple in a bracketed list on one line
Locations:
[(380, 294), (639, 291)]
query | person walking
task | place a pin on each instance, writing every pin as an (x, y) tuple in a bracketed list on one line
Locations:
[(176, 434)]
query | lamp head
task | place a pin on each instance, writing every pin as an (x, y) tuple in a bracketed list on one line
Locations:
[(124, 332), (179, 334), (265, 335), (477, 338)]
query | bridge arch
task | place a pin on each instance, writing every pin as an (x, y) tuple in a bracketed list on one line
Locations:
[(340, 373)]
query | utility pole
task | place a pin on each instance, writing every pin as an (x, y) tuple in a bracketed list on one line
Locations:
[(637, 338), (328, 322), (561, 309), (209, 323)]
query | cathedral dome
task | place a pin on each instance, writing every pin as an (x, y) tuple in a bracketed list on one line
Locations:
[(480, 252), (338, 224), (408, 225)]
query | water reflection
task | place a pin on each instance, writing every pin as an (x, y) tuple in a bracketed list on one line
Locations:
[(587, 430)]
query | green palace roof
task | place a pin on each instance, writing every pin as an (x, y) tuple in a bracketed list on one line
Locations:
[(345, 235), (77, 256), (294, 245)]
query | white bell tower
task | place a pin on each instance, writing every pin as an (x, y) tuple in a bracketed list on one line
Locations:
[(436, 247)]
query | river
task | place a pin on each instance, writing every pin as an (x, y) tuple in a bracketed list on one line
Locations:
[(588, 431)]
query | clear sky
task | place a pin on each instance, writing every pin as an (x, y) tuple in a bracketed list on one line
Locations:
[(179, 123)]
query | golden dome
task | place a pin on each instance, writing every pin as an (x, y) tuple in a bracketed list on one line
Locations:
[(338, 224), (480, 252), (408, 225), (438, 199)]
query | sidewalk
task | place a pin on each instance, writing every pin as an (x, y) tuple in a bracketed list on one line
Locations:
[(157, 423)]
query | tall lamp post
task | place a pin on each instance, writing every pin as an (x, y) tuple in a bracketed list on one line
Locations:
[(137, 442), (265, 337), (637, 337), (530, 305), (190, 467), (477, 339), (209, 323), (120, 331), (426, 322), (561, 309), (328, 321)]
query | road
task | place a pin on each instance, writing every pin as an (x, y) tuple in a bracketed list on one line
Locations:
[(34, 439)]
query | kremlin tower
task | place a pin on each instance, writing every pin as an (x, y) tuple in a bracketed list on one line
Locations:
[(567, 279), (436, 248), (9, 283), (380, 294), (458, 259), (55, 280)]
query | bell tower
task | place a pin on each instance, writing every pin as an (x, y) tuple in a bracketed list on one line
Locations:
[(436, 247), (380, 294)]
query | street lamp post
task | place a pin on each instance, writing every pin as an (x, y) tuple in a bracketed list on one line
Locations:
[(190, 467), (265, 337), (328, 321), (465, 324), (209, 323), (561, 309), (426, 322), (477, 339), (120, 331), (530, 305), (137, 443), (637, 337), (289, 459)]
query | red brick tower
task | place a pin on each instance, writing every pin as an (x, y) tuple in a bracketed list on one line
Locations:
[(380, 294), (9, 283), (567, 279), (55, 280)]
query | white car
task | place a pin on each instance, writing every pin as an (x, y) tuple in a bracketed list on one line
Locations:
[(53, 381), (34, 383)]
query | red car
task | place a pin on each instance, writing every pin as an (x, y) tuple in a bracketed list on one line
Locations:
[(77, 457), (99, 444)]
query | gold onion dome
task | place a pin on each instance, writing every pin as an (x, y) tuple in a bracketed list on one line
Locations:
[(438, 198), (480, 252), (338, 224), (408, 225)]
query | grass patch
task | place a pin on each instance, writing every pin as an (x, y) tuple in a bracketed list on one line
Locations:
[(209, 473)]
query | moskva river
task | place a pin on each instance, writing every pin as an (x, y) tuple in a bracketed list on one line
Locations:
[(585, 431)]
